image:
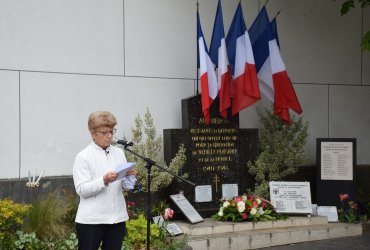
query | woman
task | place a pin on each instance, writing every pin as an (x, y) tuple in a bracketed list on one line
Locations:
[(102, 210)]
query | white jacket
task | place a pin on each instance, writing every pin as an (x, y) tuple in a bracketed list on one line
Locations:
[(99, 204)]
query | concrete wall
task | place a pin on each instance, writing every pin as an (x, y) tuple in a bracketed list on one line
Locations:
[(61, 60)]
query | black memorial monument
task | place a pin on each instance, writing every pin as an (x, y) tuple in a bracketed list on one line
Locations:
[(217, 153), (336, 170)]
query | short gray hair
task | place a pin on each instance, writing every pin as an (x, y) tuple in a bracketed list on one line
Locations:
[(100, 119)]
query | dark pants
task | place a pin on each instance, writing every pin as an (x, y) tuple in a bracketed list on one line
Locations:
[(90, 236)]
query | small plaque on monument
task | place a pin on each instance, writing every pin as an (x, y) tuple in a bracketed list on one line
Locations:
[(186, 208), (203, 193), (336, 160), (229, 191), (291, 197)]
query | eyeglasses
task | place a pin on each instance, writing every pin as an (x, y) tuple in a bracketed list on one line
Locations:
[(105, 133)]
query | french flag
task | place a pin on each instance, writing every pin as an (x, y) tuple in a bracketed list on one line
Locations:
[(245, 86), (271, 70), (218, 54), (208, 78), (273, 25)]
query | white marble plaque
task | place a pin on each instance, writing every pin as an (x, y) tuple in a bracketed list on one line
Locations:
[(328, 211), (291, 197), (337, 161), (229, 191), (314, 209), (188, 210), (173, 229), (158, 220), (203, 193)]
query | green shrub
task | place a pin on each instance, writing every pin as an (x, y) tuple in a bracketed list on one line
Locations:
[(350, 212), (149, 145), (136, 233), (281, 147), (159, 238), (29, 242), (46, 218), (11, 219), (67, 244), (71, 201)]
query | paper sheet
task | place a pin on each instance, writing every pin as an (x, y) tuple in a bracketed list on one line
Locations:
[(123, 168)]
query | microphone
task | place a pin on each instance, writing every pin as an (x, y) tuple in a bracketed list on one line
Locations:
[(123, 142)]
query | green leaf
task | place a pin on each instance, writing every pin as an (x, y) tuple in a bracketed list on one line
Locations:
[(346, 6), (365, 45)]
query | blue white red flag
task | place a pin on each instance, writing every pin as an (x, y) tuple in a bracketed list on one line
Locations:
[(274, 30), (208, 79), (271, 70), (218, 54), (245, 88), (260, 35)]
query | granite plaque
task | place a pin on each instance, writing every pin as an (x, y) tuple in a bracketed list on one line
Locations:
[(291, 197), (336, 170), (203, 193), (173, 229), (229, 191), (186, 208), (158, 220), (328, 211)]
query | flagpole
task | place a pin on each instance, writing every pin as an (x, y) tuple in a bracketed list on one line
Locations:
[(277, 13), (197, 4)]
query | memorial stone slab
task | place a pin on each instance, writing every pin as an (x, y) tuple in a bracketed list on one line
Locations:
[(336, 170), (217, 153)]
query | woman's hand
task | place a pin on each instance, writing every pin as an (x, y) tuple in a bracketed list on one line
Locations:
[(132, 172), (110, 177)]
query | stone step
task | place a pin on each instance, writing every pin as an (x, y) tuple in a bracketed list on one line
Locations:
[(268, 237), (210, 226)]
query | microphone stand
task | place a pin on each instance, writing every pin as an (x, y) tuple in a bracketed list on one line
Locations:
[(149, 164)]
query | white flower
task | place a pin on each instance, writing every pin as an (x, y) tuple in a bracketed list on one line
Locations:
[(260, 211), (220, 213), (221, 209), (244, 197), (226, 204), (253, 211), (241, 206), (258, 201)]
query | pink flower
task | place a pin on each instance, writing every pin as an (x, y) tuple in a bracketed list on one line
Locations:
[(244, 216), (263, 205), (255, 204), (130, 204), (343, 197), (167, 214), (238, 198), (353, 204)]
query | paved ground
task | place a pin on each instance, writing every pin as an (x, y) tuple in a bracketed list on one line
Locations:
[(352, 243)]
